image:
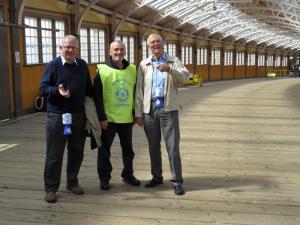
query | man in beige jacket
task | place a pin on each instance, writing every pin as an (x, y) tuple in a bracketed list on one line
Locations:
[(156, 109)]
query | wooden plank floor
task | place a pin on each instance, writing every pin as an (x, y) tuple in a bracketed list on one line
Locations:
[(241, 164)]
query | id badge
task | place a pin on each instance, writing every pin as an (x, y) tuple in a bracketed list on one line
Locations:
[(159, 102), (159, 96)]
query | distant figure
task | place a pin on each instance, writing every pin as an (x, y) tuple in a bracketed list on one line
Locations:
[(296, 70), (114, 86), (65, 82), (156, 109)]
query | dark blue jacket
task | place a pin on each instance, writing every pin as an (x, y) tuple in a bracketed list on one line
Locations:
[(75, 78)]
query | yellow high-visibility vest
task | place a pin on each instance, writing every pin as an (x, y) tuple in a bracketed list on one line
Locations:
[(118, 92)]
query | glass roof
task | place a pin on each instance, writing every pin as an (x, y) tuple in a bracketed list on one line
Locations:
[(266, 22)]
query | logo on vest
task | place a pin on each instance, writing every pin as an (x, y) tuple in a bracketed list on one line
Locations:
[(122, 92)]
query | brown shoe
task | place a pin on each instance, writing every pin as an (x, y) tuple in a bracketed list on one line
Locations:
[(76, 189), (50, 197)]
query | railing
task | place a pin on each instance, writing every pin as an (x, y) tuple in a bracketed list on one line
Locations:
[(275, 73)]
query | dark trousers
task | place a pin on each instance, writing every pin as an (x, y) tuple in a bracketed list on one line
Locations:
[(104, 165), (56, 142), (159, 122)]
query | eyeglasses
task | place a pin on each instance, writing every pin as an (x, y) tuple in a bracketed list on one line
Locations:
[(69, 47)]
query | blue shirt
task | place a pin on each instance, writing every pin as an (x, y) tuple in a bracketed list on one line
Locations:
[(158, 78)]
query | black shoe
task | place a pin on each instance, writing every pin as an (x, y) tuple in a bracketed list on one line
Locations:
[(104, 185), (132, 180), (154, 182), (179, 189)]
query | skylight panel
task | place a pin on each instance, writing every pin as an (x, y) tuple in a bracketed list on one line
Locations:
[(162, 4)]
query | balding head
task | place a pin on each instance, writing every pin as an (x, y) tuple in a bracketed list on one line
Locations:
[(117, 51)]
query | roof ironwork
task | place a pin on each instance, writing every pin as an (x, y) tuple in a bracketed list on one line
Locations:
[(268, 22)]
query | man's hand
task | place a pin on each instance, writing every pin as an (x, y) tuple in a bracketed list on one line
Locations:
[(163, 67), (104, 124), (63, 92), (139, 121)]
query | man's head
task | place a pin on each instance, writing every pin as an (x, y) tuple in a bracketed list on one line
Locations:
[(117, 51), (155, 45), (69, 47)]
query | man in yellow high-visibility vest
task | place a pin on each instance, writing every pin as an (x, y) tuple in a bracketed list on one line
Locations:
[(113, 87)]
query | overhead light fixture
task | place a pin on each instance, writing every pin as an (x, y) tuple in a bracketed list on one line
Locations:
[(214, 6)]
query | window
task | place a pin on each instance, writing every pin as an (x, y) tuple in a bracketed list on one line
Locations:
[(201, 56), (270, 60), (187, 55), (261, 60), (240, 59), (251, 59), (215, 57), (277, 61), (130, 48), (145, 50), (284, 61), (59, 35), (92, 45), (170, 49), (31, 41), (97, 47), (228, 58), (47, 43), (42, 39), (84, 50)]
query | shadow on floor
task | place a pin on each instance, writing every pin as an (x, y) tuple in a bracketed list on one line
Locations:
[(236, 183)]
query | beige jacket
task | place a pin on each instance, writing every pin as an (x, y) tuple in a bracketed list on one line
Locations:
[(177, 76), (92, 123)]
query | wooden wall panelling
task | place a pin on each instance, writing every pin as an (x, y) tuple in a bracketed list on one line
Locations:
[(30, 80), (261, 71), (240, 72), (228, 72), (250, 71), (215, 73)]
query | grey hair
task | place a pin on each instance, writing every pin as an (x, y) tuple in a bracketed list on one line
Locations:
[(154, 35), (69, 37), (117, 42)]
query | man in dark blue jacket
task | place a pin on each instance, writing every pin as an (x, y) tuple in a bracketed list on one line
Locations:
[(65, 82)]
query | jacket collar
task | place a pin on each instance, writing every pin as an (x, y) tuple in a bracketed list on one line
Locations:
[(112, 64), (168, 57)]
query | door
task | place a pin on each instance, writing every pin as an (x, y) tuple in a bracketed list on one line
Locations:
[(4, 71)]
